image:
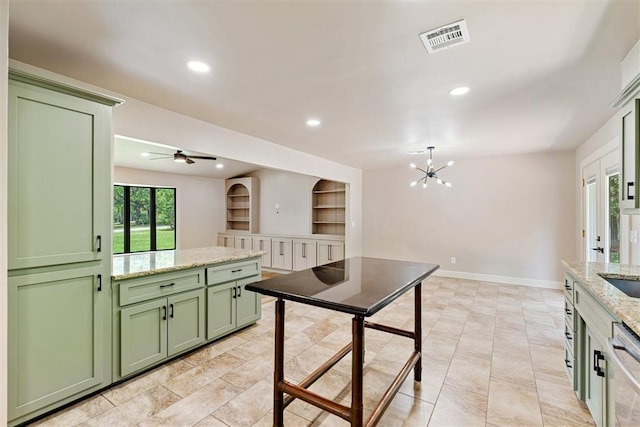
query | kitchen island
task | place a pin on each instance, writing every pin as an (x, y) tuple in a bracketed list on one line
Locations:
[(169, 302), (592, 307)]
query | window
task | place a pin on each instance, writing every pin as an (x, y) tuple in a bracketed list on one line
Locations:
[(144, 219), (613, 219)]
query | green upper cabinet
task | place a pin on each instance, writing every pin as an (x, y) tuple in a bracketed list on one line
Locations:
[(59, 171)]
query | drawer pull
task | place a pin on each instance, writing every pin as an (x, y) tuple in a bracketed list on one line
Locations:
[(568, 311), (567, 287), (236, 271), (568, 335), (568, 363), (167, 286)]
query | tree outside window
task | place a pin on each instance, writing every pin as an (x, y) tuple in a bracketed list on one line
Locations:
[(143, 219)]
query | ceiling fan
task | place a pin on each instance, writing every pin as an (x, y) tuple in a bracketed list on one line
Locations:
[(181, 157)]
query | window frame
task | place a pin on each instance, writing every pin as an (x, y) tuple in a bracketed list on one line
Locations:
[(153, 244)]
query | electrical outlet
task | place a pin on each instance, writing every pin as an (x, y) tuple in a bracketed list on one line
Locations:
[(453, 260)]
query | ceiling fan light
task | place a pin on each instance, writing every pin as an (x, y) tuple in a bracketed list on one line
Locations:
[(424, 184), (448, 184), (429, 162), (439, 181), (413, 183), (412, 165), (450, 163), (180, 160), (219, 166)]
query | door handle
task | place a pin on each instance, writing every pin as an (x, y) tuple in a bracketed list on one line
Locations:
[(164, 312), (171, 307), (597, 357), (239, 291), (99, 282), (630, 190), (99, 239), (568, 335), (235, 292), (598, 249)]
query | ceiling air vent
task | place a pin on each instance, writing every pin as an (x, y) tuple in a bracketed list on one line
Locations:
[(447, 36)]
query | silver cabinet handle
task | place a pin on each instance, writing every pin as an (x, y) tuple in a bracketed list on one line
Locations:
[(612, 345)]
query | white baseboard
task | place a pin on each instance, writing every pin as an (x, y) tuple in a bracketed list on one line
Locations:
[(536, 283)]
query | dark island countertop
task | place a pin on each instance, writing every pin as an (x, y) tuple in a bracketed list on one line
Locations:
[(359, 285)]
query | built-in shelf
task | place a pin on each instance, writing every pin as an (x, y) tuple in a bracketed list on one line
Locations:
[(242, 204), (328, 207)]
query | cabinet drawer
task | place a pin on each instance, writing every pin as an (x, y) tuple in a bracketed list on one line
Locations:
[(569, 336), (569, 364), (143, 289), (568, 287), (235, 271), (569, 314)]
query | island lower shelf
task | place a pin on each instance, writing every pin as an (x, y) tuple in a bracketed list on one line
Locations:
[(157, 316)]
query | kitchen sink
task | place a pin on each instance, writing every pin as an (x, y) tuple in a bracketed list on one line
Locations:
[(629, 287)]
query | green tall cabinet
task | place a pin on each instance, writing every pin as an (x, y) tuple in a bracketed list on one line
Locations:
[(59, 253)]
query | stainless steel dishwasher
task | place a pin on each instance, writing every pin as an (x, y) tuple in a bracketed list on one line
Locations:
[(624, 352)]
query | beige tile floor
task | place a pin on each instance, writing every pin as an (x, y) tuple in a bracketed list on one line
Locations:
[(493, 356)]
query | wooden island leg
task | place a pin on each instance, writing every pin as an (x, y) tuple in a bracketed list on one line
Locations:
[(417, 339), (357, 363), (278, 370)]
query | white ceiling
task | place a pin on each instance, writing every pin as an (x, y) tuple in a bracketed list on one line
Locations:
[(541, 73), (128, 152)]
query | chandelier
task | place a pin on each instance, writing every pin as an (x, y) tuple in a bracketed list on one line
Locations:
[(430, 172)]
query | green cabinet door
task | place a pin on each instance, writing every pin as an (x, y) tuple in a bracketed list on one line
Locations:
[(221, 309), (185, 321), (143, 335), (57, 342), (594, 383), (59, 178), (248, 304)]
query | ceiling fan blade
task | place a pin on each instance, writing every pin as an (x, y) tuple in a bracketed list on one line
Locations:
[(160, 158), (202, 157), (160, 154)]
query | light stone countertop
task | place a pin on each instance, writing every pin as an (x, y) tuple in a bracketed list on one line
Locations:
[(128, 266), (624, 307)]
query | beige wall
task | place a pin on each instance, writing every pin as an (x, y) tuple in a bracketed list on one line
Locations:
[(4, 53), (200, 203), (292, 191), (507, 219)]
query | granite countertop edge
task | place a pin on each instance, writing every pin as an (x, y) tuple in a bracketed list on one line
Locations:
[(177, 260), (624, 307)]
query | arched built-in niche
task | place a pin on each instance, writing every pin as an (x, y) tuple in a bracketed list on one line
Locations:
[(328, 208)]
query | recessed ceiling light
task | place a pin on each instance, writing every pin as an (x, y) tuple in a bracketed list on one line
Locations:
[(219, 165), (313, 122), (459, 91), (198, 67), (145, 154)]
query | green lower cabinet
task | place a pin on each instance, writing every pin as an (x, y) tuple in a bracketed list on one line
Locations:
[(230, 306), (58, 344), (152, 331), (594, 384)]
